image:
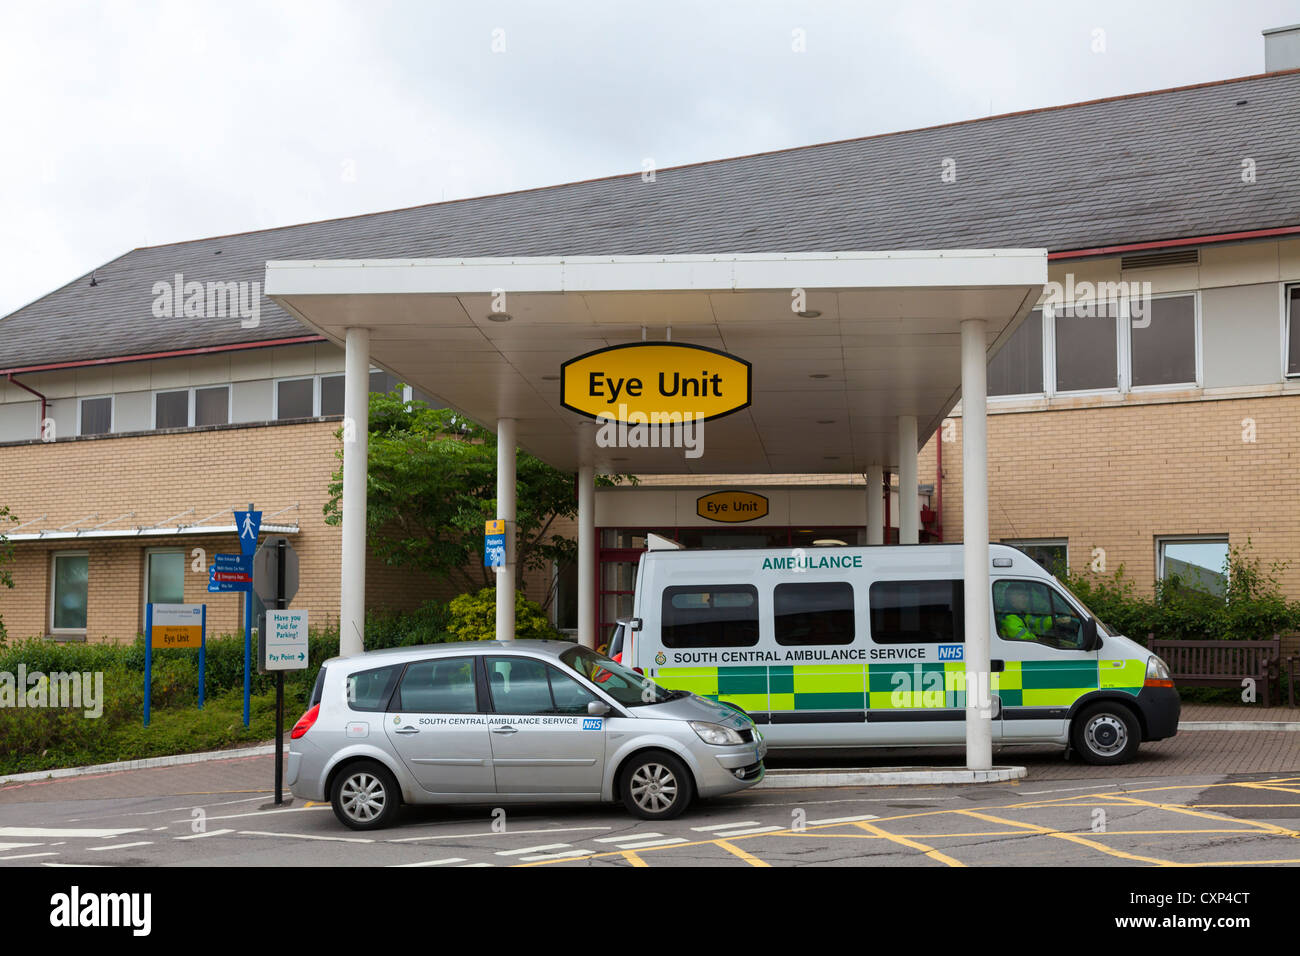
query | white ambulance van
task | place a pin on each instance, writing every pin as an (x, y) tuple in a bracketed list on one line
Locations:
[(847, 647)]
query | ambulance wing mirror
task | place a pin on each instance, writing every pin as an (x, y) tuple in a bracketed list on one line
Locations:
[(1091, 639)]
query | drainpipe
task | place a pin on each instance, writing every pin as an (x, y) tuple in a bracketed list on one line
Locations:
[(938, 486), (40, 426), (888, 493)]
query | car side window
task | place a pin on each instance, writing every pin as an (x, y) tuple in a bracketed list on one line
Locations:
[(441, 686), (1032, 611), (370, 690), (521, 685)]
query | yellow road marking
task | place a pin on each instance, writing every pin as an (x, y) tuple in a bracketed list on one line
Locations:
[(1070, 837), (634, 859), (929, 851), (747, 857)]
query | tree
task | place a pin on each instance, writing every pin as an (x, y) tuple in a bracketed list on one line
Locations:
[(432, 485), (6, 556)]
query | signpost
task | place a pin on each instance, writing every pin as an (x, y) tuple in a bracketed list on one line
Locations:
[(282, 638), (173, 625), (494, 544), (247, 524)]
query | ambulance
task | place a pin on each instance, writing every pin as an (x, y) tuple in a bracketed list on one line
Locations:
[(852, 647)]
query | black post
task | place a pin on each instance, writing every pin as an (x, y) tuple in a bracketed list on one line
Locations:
[(279, 680)]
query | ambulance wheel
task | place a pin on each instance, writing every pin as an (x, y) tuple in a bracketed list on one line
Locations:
[(365, 796), (656, 786), (1105, 733)]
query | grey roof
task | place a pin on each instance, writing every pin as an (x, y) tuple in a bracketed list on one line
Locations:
[(1146, 167)]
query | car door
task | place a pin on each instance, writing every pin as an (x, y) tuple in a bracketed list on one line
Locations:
[(438, 728), (543, 740), (1037, 637)]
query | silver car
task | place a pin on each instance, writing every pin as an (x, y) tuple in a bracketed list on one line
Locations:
[(510, 722)]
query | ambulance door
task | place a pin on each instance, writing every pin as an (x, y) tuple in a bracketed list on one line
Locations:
[(1040, 669)]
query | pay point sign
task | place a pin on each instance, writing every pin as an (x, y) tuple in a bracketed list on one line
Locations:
[(284, 646)]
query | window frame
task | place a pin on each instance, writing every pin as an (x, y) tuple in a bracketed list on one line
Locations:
[(112, 412), (1126, 360), (1054, 594), (144, 578), (1021, 543), (1162, 539), (958, 598), (396, 696), (1043, 379), (1285, 296), (1120, 353), (315, 397), (192, 408), (666, 596), (852, 609), (67, 633)]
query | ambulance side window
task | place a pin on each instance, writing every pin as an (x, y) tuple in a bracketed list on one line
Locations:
[(1032, 611), (723, 615), (813, 613), (917, 612)]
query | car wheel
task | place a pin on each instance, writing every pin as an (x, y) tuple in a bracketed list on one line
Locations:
[(365, 796), (1105, 733), (656, 786)]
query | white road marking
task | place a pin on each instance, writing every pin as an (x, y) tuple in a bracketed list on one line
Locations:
[(725, 834), (194, 806), (480, 864), (27, 856), (667, 841), (158, 829), (830, 820), (119, 846), (458, 836), (18, 846), (200, 836), (1100, 786), (450, 859), (57, 832), (725, 826), (534, 849), (96, 866), (626, 836), (306, 836), (260, 813)]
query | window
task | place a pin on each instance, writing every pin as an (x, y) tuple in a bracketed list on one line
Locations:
[(916, 612), (1087, 349), (819, 612), (95, 416), (1053, 554), (69, 586), (724, 615), (165, 577), (443, 686), (381, 382), (1197, 564), (1163, 342), (1017, 369), (331, 394), (171, 409), (212, 405), (566, 596), (370, 690), (1293, 330), (295, 398), (1031, 611), (521, 685)]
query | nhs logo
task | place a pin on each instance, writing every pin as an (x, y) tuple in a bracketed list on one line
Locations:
[(951, 652), (593, 723)]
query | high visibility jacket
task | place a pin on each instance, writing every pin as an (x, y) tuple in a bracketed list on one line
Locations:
[(1024, 627)]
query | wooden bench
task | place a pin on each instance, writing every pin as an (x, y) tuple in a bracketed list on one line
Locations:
[(1221, 663)]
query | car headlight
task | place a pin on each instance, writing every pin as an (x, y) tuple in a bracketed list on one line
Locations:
[(715, 733), (1158, 673)]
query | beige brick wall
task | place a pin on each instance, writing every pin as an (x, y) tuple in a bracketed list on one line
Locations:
[(1116, 478)]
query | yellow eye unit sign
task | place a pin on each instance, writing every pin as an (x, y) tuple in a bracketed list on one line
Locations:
[(655, 383)]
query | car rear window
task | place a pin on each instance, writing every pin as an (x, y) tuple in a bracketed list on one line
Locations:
[(370, 690)]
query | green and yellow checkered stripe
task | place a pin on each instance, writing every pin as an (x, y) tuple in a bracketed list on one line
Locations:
[(896, 686)]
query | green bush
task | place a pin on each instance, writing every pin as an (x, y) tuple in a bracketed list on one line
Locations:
[(1253, 609), (473, 618)]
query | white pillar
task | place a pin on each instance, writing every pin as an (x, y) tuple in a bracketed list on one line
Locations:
[(875, 504), (587, 556), (506, 513), (909, 502), (975, 542), (356, 435)]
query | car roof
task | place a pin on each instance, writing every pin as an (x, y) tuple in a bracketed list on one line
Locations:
[(401, 655)]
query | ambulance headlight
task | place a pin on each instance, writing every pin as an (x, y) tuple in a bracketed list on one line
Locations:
[(1157, 673), (715, 733)]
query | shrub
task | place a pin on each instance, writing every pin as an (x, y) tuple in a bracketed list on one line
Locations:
[(473, 618)]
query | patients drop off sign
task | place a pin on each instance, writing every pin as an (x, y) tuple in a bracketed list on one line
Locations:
[(285, 643)]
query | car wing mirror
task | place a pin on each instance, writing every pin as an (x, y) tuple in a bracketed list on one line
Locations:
[(597, 708), (1091, 639)]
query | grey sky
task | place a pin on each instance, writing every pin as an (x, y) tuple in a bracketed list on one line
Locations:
[(131, 124)]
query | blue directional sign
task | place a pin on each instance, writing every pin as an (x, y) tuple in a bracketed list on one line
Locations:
[(220, 580), (242, 563), (247, 524)]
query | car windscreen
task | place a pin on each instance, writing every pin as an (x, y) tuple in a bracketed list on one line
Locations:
[(623, 684)]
